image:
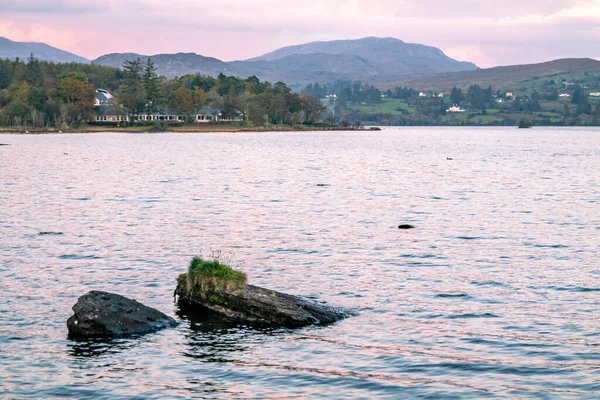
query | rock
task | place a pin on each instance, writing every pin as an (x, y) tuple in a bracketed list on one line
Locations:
[(102, 314), (406, 226), (261, 306)]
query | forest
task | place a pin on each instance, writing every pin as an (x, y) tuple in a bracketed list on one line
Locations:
[(41, 94)]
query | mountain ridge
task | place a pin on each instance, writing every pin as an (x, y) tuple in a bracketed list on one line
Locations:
[(503, 77), (11, 49), (373, 59)]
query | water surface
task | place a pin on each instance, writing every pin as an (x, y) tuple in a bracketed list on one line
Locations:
[(495, 294)]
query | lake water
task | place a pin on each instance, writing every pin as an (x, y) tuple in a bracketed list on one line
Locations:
[(496, 294)]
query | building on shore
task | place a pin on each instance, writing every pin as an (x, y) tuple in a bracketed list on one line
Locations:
[(107, 111), (455, 109)]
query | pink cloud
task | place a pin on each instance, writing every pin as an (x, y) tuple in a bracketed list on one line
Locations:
[(487, 33)]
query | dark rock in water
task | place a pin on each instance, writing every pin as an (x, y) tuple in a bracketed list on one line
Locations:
[(102, 314), (44, 233), (253, 304), (4, 144), (406, 226)]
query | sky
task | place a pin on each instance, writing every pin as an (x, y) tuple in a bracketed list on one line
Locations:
[(486, 32)]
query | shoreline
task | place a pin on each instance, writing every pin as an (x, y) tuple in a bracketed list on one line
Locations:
[(180, 129)]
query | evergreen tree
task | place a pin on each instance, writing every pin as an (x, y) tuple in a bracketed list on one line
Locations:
[(457, 95), (150, 83), (33, 72), (132, 90), (4, 81)]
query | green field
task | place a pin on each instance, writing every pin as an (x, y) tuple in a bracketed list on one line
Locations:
[(387, 106)]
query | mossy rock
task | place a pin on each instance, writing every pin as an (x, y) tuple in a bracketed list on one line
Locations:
[(211, 287)]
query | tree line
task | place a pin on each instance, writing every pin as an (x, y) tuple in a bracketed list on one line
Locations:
[(349, 98), (37, 93)]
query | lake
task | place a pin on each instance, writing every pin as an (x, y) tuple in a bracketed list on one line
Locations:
[(495, 294)]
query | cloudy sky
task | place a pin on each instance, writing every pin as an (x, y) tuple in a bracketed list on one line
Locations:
[(487, 32)]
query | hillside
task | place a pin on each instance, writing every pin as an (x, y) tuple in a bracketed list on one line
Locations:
[(170, 65), (369, 59), (505, 78), (11, 50), (391, 56)]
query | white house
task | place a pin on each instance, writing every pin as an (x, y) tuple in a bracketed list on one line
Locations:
[(441, 95), (421, 94), (499, 101), (508, 95), (455, 109), (564, 95), (595, 94)]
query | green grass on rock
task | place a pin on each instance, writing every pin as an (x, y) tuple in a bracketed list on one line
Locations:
[(206, 276)]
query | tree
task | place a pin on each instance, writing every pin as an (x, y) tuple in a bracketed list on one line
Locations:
[(456, 96), (18, 111), (33, 72), (4, 81), (199, 99), (74, 88), (132, 90), (579, 96), (314, 108), (183, 102), (78, 95), (150, 83)]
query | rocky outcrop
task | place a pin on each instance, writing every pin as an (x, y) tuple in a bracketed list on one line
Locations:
[(405, 226), (254, 304), (102, 314)]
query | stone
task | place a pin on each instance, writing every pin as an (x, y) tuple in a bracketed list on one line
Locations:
[(406, 226), (260, 306), (103, 314)]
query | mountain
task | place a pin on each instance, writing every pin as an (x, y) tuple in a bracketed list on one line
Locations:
[(507, 77), (41, 51), (370, 59), (170, 65), (388, 54)]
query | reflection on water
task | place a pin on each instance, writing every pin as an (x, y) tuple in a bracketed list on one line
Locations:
[(83, 348), (494, 294), (215, 339)]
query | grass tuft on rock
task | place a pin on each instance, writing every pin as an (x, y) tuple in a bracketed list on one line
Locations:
[(206, 276)]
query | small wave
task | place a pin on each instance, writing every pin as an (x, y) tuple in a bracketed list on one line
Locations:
[(453, 296), (576, 289), (470, 315), (490, 283), (425, 256), (78, 257), (43, 233), (550, 246)]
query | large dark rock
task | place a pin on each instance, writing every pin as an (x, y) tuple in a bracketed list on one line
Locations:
[(102, 314), (261, 306)]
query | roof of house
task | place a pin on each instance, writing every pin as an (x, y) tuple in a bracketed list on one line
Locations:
[(103, 96), (109, 110), (206, 110)]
